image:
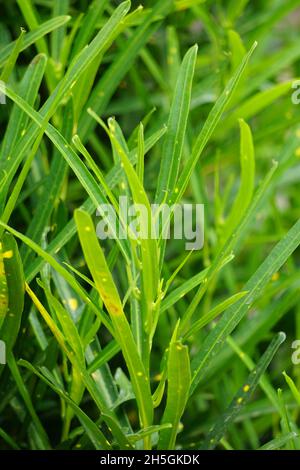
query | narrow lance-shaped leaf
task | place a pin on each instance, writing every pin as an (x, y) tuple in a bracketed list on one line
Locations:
[(264, 382), (60, 7), (115, 428), (67, 232), (108, 83), (251, 332), (177, 122), (179, 380), (141, 154), (24, 392), (51, 189), (256, 103), (149, 249), (230, 244), (81, 171), (287, 423), (279, 442), (33, 36), (88, 381), (31, 17), (189, 285), (12, 279), (293, 387), (234, 314), (9, 66), (75, 71), (89, 22), (237, 48), (209, 126), (214, 312), (97, 437), (68, 326), (243, 395), (60, 269), (3, 286), (28, 89), (108, 292), (247, 184), (147, 432)]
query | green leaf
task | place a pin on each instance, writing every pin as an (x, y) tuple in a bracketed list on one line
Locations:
[(9, 440), (68, 326), (108, 292), (33, 36), (234, 314), (148, 432), (214, 312), (97, 437), (279, 442), (179, 380), (177, 122), (28, 89), (88, 381), (24, 392), (60, 269), (293, 388), (79, 65), (188, 285), (210, 125), (256, 103), (13, 272), (110, 80), (246, 189), (51, 189), (60, 7), (148, 243), (30, 15), (88, 24), (81, 171), (123, 441), (9, 66), (243, 395), (237, 49), (112, 179), (106, 354)]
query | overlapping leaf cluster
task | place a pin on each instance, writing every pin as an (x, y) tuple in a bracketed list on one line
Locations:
[(131, 344)]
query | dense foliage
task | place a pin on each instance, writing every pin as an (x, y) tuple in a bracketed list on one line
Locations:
[(125, 343)]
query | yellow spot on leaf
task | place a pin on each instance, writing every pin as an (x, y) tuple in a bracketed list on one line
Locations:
[(73, 304), (275, 277)]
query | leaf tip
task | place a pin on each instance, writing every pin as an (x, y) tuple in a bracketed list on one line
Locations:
[(282, 336)]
